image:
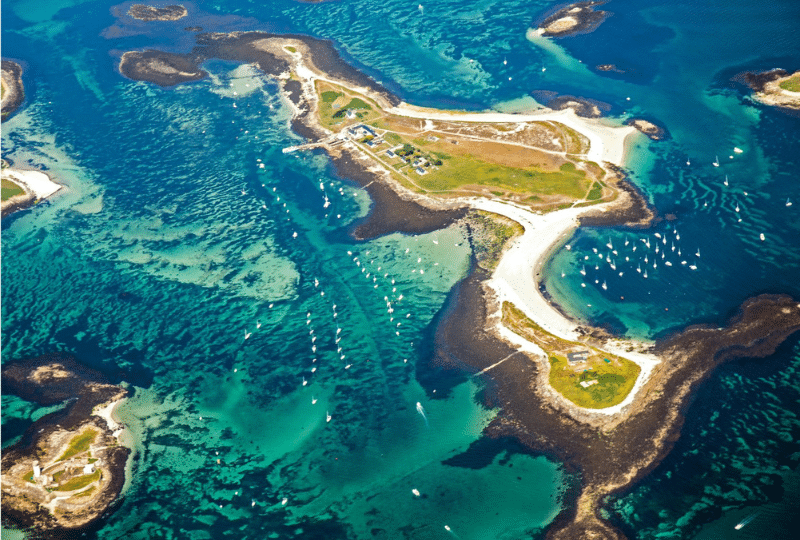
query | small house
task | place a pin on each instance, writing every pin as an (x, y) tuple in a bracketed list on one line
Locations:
[(577, 357)]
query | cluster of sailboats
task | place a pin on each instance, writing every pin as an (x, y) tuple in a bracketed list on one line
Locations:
[(664, 249)]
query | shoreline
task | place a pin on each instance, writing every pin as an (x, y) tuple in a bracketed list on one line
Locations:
[(611, 448), (37, 186), (44, 503)]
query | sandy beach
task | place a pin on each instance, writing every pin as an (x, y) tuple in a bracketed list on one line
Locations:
[(35, 182)]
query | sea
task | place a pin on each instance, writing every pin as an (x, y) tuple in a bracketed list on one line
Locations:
[(278, 368)]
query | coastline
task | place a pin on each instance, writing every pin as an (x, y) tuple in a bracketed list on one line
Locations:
[(611, 448), (36, 184), (45, 503)]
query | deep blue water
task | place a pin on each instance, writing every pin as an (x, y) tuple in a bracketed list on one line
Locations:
[(153, 265)]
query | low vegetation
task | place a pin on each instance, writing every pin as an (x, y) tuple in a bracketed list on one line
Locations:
[(79, 482), (10, 189), (792, 84), (615, 376), (79, 443), (490, 234)]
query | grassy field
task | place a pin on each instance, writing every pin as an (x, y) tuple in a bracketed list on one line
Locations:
[(79, 482), (335, 102), (792, 84), (79, 443), (467, 159), (10, 189), (615, 376)]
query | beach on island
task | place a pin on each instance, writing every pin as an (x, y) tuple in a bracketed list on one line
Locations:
[(35, 184)]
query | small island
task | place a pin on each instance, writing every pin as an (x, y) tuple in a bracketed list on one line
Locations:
[(776, 88), (578, 18), (650, 129), (164, 69), (143, 12), (12, 90), (69, 466)]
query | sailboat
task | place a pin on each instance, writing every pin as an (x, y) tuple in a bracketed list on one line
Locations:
[(583, 271), (788, 202), (726, 180), (605, 287), (327, 416), (716, 161), (645, 274)]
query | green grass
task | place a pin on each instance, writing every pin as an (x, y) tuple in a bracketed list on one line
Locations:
[(615, 377), (79, 482), (290, 49), (10, 189), (595, 193), (468, 170), (79, 443), (29, 477), (615, 382), (330, 96), (792, 84)]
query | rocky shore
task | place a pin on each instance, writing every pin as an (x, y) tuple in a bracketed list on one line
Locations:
[(776, 88), (68, 468), (650, 129), (13, 91), (143, 12), (578, 18)]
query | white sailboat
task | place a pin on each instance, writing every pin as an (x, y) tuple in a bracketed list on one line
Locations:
[(716, 161)]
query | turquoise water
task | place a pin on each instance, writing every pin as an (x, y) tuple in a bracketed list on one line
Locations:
[(172, 241)]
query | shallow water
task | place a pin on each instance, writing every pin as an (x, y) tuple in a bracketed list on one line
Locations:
[(154, 264)]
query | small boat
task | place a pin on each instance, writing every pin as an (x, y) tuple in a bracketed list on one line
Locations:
[(726, 180), (692, 267), (605, 287), (667, 263), (698, 252), (737, 208), (645, 274), (716, 161), (327, 416), (688, 162), (762, 237), (415, 491), (313, 400), (583, 271), (788, 202), (639, 268)]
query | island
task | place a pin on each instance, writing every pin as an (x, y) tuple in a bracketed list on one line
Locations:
[(12, 90), (69, 466), (578, 18), (776, 88), (609, 408), (143, 12), (650, 129)]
